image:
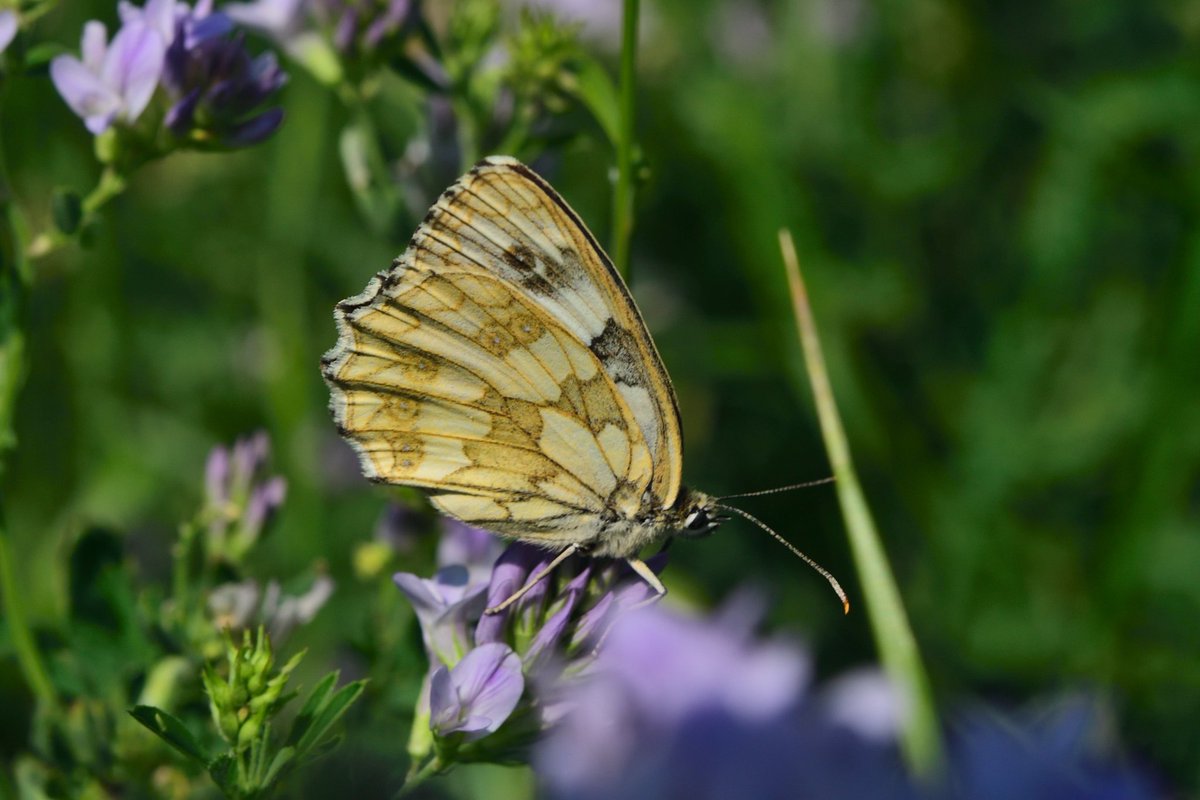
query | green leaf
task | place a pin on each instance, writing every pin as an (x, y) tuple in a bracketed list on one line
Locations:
[(321, 712), (66, 207), (39, 56), (168, 728), (596, 91), (224, 771), (312, 706), (283, 758)]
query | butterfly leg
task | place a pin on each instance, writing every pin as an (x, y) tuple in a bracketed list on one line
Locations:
[(567, 552), (645, 573)]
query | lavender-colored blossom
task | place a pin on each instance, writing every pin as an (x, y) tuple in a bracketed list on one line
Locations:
[(244, 605), (704, 711), (471, 547), (447, 606), (158, 15), (363, 27), (478, 694), (240, 498), (540, 632), (279, 19), (219, 91), (683, 707), (114, 81), (9, 25), (514, 567), (547, 638), (1059, 751), (265, 500)]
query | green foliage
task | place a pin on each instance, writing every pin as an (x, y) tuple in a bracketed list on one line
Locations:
[(243, 705)]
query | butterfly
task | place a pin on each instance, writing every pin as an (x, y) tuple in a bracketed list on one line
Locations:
[(501, 364)]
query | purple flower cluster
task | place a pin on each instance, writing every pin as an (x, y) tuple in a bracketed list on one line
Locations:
[(215, 93), (355, 28), (677, 706), (240, 497), (489, 670)]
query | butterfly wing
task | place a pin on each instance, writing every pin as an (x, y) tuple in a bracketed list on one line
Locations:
[(479, 367)]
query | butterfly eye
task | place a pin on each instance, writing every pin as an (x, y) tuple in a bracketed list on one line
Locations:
[(697, 520)]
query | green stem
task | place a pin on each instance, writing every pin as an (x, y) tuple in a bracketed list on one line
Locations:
[(622, 221), (418, 775), (889, 623), (28, 657), (110, 185)]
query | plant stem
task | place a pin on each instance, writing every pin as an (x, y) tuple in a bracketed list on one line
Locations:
[(418, 776), (110, 185), (889, 623), (623, 193), (28, 657)]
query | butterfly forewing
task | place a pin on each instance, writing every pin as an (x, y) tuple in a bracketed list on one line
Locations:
[(501, 364)]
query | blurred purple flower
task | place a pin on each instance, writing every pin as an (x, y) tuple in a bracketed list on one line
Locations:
[(398, 528), (363, 25), (446, 605), (659, 676), (8, 28), (1056, 752), (113, 82), (478, 694), (158, 15), (244, 605), (279, 19), (240, 498), (681, 707), (218, 90), (473, 548)]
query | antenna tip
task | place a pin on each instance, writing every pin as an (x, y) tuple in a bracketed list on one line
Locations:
[(845, 606)]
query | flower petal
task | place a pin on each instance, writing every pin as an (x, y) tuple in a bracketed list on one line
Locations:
[(8, 28), (478, 694), (552, 629), (84, 92), (160, 16), (508, 575), (255, 129), (133, 66)]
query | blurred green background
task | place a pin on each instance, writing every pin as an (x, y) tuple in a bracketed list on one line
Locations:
[(996, 207)]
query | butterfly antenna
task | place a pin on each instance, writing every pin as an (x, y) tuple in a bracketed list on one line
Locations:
[(788, 488), (837, 587)]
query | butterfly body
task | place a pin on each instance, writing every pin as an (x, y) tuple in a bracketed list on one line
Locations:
[(501, 364)]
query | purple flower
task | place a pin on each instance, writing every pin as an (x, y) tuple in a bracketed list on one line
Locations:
[(677, 706), (244, 605), (526, 649), (658, 675), (114, 81), (8, 28), (447, 605), (512, 570), (363, 25), (1055, 752), (240, 498), (219, 91), (473, 548), (279, 19), (478, 694)]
